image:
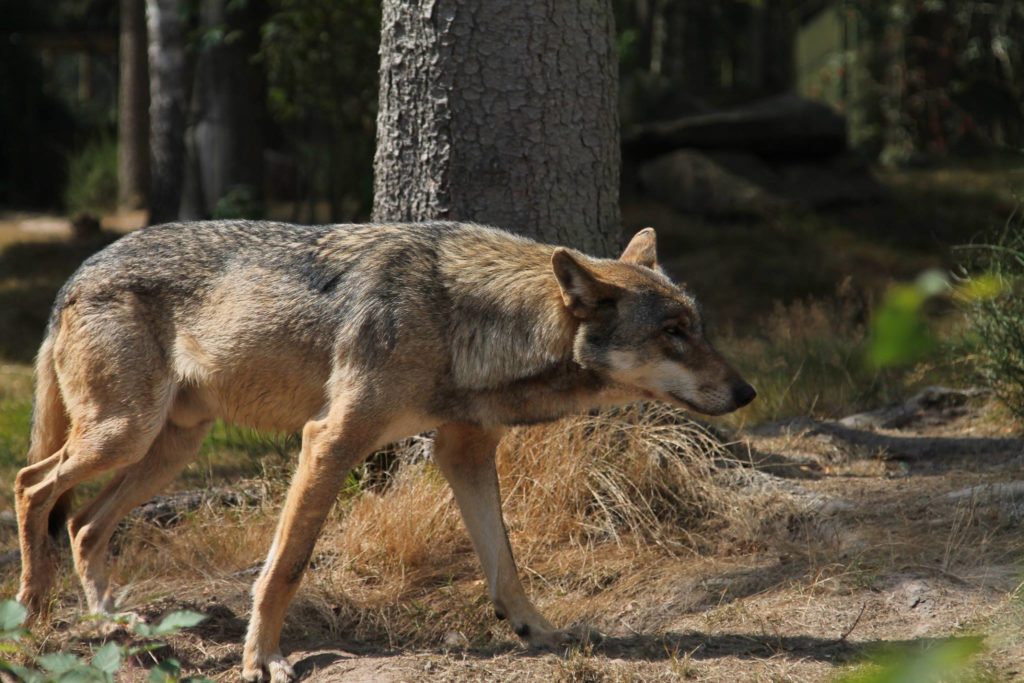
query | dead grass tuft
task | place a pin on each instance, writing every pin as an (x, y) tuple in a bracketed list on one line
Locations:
[(638, 482)]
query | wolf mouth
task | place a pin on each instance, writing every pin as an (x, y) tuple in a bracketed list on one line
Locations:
[(689, 405)]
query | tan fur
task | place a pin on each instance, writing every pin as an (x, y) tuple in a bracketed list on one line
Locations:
[(359, 336)]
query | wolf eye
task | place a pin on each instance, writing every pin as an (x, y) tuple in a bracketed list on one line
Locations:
[(675, 331)]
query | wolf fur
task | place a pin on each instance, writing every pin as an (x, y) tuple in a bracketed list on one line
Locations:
[(357, 335)]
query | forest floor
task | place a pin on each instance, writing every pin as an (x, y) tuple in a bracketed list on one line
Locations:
[(831, 543)]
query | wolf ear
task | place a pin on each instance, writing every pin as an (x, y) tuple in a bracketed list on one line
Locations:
[(582, 292), (642, 250)]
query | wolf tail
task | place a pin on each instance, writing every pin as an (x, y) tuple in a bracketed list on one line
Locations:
[(49, 426)]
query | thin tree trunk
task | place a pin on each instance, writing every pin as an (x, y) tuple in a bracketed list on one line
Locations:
[(166, 108), (502, 113), (226, 134), (133, 108)]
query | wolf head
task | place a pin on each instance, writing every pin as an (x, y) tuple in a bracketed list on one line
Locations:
[(643, 332)]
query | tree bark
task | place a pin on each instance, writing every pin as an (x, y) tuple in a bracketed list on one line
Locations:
[(502, 113), (133, 108), (225, 139), (166, 108)]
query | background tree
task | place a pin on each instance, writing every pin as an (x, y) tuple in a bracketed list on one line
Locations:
[(133, 107), (167, 73), (321, 70), (502, 113), (225, 138)]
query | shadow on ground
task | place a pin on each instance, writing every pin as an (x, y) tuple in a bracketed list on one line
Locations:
[(659, 648)]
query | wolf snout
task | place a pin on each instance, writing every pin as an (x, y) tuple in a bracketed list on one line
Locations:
[(743, 393)]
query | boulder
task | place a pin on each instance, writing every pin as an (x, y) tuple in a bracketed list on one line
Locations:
[(717, 184), (723, 184), (785, 127), (817, 186)]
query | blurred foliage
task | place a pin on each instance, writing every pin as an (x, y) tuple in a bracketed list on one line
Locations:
[(808, 358), (321, 66), (92, 178), (900, 333), (941, 75), (903, 328), (241, 201), (947, 662), (996, 343)]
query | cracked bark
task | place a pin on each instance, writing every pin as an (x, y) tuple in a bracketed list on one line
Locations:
[(133, 108), (501, 113), (166, 108)]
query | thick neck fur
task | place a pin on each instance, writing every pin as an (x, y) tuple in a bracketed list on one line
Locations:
[(508, 321), (511, 336)]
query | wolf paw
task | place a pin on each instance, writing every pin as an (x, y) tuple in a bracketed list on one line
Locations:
[(274, 669), (111, 622), (35, 603), (559, 639)]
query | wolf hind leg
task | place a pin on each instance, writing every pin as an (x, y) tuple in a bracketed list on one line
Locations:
[(91, 450), (116, 391), (465, 456), (91, 527)]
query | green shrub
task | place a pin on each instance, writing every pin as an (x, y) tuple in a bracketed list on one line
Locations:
[(92, 178), (105, 662), (997, 320), (239, 201)]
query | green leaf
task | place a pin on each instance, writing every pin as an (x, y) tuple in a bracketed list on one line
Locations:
[(899, 333), (166, 671), (108, 658), (143, 629), (982, 288), (12, 615), (23, 674), (59, 662), (947, 661), (84, 674), (175, 621)]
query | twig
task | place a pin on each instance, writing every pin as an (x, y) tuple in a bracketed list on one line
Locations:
[(856, 621)]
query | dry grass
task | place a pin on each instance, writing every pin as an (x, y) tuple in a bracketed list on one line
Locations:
[(605, 490)]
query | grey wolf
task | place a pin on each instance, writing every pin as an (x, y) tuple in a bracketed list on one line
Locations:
[(357, 335)]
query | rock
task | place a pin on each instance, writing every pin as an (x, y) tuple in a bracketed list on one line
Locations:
[(938, 401), (717, 184), (168, 510), (733, 183), (784, 127), (455, 640), (816, 186)]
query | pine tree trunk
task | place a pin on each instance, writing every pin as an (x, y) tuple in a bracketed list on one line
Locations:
[(166, 108), (502, 113), (133, 108)]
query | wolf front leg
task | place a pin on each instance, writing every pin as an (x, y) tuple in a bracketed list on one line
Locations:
[(330, 447), (465, 455)]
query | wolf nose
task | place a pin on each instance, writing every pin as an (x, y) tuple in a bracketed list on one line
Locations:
[(742, 394)]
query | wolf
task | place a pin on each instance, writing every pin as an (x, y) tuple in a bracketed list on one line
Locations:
[(357, 335)]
